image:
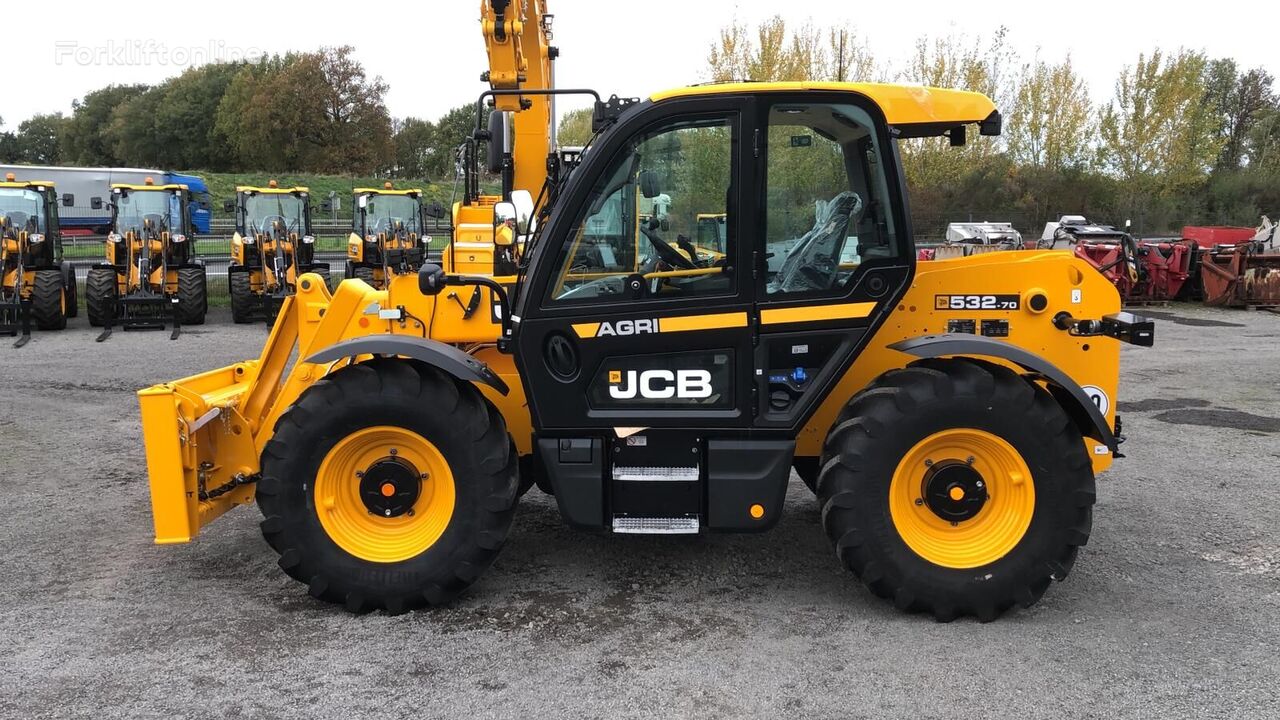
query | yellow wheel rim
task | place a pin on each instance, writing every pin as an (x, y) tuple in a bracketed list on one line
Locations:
[(989, 534), (345, 514)]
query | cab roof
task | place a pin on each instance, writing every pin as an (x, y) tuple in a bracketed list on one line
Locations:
[(916, 110), (385, 191), (272, 190), (144, 188), (25, 184)]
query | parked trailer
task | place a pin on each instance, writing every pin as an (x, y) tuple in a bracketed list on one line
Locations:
[(79, 186), (973, 238)]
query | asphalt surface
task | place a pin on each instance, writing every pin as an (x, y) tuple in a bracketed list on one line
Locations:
[(1173, 610)]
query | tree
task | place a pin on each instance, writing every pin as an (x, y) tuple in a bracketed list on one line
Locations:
[(88, 138), (575, 128), (772, 53), (1050, 123), (1158, 134), (1236, 99), (413, 147), (983, 65), (39, 139), (9, 149), (315, 112)]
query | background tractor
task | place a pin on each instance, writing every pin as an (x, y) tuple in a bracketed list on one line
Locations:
[(272, 247), (388, 233), (37, 286), (949, 416), (151, 277)]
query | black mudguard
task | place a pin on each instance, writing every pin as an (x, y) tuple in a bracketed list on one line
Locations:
[(1067, 391), (436, 354)]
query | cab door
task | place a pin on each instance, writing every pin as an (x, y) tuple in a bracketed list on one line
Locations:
[(626, 322)]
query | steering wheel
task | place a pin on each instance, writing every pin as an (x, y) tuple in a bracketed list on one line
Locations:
[(669, 255)]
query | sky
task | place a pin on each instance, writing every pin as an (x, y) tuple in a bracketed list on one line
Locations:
[(431, 52)]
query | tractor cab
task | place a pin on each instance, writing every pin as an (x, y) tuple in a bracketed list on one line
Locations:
[(388, 233), (36, 286), (273, 246), (151, 276)]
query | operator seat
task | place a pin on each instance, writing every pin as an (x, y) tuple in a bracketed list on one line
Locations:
[(818, 250)]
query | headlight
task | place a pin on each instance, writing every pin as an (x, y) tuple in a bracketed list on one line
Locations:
[(179, 238), (112, 237), (308, 239), (35, 238), (247, 239)]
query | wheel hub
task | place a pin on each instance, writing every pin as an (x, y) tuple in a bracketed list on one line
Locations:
[(390, 487), (954, 491)]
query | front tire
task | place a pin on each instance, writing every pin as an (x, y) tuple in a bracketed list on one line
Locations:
[(49, 300), (193, 295), (443, 492), (956, 487), (243, 299), (100, 292)]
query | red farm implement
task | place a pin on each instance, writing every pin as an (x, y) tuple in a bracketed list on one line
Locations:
[(1142, 271), (1243, 273)]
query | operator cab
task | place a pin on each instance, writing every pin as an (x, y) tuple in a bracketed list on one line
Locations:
[(725, 258)]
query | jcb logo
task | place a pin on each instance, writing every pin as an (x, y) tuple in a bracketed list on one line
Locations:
[(659, 384), (628, 327)]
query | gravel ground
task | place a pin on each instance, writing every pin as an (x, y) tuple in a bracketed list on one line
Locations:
[(1172, 610)]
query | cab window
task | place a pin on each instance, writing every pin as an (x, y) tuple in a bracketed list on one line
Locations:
[(642, 231), (827, 206)]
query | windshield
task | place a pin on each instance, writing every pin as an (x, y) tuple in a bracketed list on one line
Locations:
[(22, 209), (388, 213), (162, 207), (262, 209)]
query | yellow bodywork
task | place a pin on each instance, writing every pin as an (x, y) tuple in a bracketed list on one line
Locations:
[(205, 433), (135, 246), (901, 104), (224, 418)]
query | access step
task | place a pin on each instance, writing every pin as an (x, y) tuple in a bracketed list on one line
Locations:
[(656, 525)]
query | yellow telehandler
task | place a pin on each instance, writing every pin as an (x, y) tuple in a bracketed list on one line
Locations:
[(950, 416)]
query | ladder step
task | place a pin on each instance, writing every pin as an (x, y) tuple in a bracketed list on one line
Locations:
[(656, 525), (655, 474)]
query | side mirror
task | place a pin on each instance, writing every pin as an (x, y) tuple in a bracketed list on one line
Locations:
[(229, 206), (95, 203), (68, 200), (649, 184), (523, 201), (326, 206), (434, 210), (503, 212), (362, 202), (431, 279)]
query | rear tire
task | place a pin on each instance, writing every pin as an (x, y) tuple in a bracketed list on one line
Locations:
[(72, 292), (873, 497), (361, 272), (243, 300), (309, 522), (193, 295), (48, 300), (100, 292)]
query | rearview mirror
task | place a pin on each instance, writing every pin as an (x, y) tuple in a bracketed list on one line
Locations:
[(229, 206), (649, 184), (95, 203), (326, 206), (434, 210), (523, 201), (68, 200), (431, 279)]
